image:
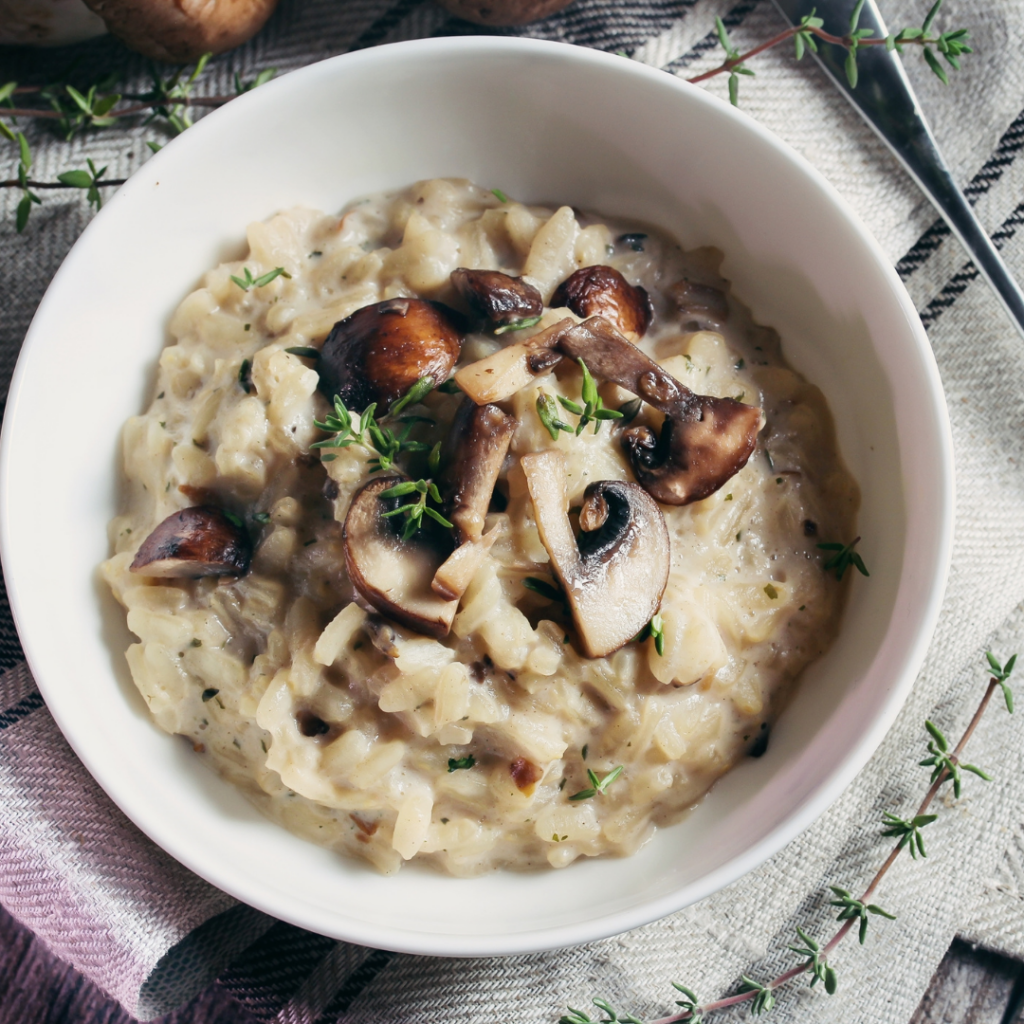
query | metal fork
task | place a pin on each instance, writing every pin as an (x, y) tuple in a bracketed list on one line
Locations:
[(885, 100)]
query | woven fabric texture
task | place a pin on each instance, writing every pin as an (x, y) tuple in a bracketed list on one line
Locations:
[(124, 913)]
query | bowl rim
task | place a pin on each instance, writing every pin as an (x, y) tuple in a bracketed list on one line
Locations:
[(271, 900)]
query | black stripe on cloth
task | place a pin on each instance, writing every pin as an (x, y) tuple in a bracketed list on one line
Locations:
[(732, 19), (958, 283), (1010, 144), (356, 984), (376, 32), (271, 970), (24, 708), (10, 646)]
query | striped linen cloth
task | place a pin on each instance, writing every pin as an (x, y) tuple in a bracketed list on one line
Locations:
[(103, 897)]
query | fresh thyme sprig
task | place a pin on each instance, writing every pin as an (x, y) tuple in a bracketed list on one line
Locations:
[(593, 410), (597, 786), (852, 911), (547, 411), (575, 1016), (416, 510), (690, 1003), (169, 101), (844, 556), (945, 763), (909, 832), (100, 105), (1000, 674), (952, 45), (856, 910), (734, 60), (763, 998), (247, 281), (816, 964), (370, 433)]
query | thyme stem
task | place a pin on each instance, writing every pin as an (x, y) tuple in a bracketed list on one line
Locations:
[(800, 969), (846, 41)]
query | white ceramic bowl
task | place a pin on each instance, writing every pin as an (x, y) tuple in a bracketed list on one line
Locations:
[(541, 121)]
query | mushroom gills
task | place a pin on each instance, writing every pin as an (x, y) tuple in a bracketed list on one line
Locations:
[(391, 574), (500, 375), (614, 578), (704, 440), (378, 352), (197, 541), (502, 299)]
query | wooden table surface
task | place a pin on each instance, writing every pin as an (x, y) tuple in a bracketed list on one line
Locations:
[(971, 986)]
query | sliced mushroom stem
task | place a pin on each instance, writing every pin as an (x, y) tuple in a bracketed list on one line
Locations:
[(615, 576), (454, 576), (500, 375), (197, 541), (391, 574), (704, 440), (477, 445)]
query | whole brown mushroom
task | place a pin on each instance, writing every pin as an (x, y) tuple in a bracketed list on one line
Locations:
[(181, 31), (503, 12), (381, 350), (603, 291)]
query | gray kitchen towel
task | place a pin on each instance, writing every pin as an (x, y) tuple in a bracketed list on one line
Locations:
[(128, 916)]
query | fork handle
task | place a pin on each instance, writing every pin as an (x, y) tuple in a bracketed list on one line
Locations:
[(886, 100)]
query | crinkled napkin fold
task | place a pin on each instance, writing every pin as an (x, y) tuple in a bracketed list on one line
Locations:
[(152, 934)]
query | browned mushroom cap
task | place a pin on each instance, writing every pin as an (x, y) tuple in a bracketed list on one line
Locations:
[(393, 574), (615, 576), (179, 33), (603, 291), (197, 541), (380, 351), (476, 449), (500, 375), (500, 298), (704, 440)]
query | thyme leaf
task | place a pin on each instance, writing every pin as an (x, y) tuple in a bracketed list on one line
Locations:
[(416, 510), (842, 558), (247, 281), (597, 786)]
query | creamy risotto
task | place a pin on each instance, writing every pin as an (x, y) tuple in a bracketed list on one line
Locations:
[(475, 532)]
